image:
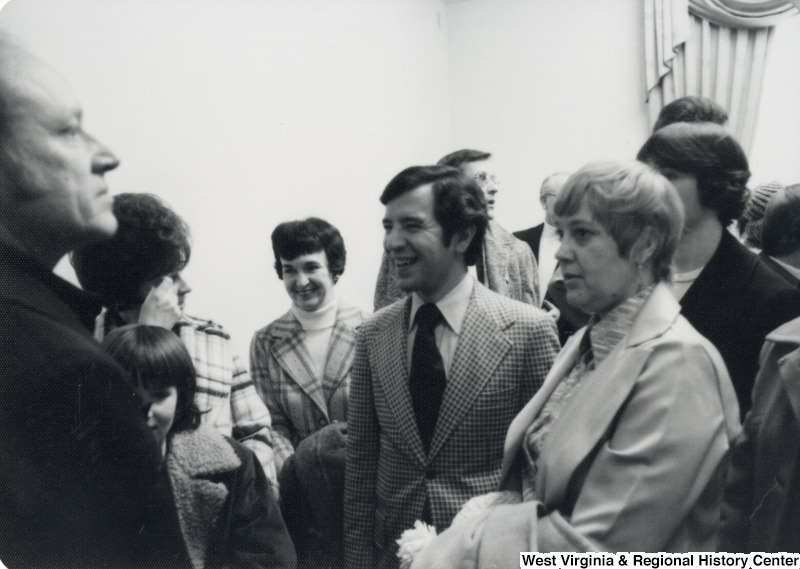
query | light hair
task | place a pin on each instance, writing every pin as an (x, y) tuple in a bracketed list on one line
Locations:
[(628, 199)]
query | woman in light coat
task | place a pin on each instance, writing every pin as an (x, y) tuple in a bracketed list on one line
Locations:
[(624, 448)]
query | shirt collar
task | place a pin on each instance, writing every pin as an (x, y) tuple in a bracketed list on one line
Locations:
[(453, 305), (549, 231), (607, 330)]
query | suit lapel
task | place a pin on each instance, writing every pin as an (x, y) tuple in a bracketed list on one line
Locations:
[(340, 350), (290, 352), (719, 286), (586, 419), (480, 349), (389, 360), (789, 369), (789, 363)]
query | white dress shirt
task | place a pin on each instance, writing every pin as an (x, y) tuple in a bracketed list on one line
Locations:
[(548, 246), (453, 307)]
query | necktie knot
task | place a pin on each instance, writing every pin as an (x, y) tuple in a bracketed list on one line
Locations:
[(428, 316)]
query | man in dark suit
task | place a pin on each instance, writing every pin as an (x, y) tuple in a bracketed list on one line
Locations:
[(438, 375), (81, 483), (726, 292), (780, 234)]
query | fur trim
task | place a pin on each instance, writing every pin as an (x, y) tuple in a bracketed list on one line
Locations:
[(192, 456)]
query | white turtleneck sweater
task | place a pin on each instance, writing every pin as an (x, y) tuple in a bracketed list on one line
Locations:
[(318, 326)]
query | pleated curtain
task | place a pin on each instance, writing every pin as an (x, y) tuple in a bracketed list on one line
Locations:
[(711, 48)]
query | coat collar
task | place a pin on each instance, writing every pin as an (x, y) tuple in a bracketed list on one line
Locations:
[(789, 365), (732, 265), (288, 348), (25, 282), (598, 401), (195, 457)]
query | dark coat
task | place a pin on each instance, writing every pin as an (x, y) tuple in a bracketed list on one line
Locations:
[(761, 511), (532, 237), (312, 494), (229, 517), (570, 318), (735, 302), (81, 478), (779, 270)]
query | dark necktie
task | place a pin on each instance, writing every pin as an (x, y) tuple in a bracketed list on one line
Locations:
[(586, 356), (427, 379)]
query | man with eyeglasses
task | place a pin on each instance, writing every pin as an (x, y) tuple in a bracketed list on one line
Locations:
[(506, 264)]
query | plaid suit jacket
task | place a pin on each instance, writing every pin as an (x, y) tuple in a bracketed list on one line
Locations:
[(503, 355), (283, 372)]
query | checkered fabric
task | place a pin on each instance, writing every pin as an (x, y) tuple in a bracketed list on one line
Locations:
[(283, 373), (225, 393), (504, 353)]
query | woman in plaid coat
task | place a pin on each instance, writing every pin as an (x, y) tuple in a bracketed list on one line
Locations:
[(301, 362)]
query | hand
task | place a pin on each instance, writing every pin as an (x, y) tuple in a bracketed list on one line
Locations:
[(161, 307)]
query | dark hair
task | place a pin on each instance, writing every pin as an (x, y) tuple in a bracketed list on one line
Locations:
[(780, 232), (711, 154), (460, 157), (152, 241), (628, 199), (155, 358), (458, 202), (691, 109), (294, 238)]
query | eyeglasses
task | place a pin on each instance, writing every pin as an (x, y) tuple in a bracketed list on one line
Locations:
[(483, 178)]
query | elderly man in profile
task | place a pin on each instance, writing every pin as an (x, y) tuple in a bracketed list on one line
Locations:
[(81, 483), (542, 239), (544, 242), (438, 375), (505, 264)]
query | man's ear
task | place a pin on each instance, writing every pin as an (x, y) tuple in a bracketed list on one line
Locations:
[(461, 240)]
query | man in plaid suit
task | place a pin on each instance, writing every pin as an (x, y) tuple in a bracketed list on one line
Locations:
[(494, 352)]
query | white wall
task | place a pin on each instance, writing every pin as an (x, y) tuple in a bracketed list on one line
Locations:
[(549, 85), (244, 114), (546, 85)]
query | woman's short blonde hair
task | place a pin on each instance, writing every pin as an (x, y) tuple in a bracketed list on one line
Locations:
[(628, 198)]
